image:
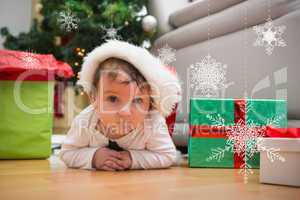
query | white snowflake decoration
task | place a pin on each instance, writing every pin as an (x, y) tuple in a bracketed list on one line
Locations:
[(243, 139), (68, 21), (208, 76), (269, 36), (111, 33), (166, 54), (29, 59)]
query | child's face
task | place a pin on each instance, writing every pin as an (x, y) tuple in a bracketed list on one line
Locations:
[(121, 105)]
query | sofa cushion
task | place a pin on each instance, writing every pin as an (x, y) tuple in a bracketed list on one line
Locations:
[(162, 10), (197, 10), (261, 69), (294, 123), (181, 134), (224, 22)]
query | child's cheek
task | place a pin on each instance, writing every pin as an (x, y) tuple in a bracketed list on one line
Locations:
[(138, 119), (108, 118)]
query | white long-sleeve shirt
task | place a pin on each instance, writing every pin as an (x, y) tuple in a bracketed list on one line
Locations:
[(151, 147)]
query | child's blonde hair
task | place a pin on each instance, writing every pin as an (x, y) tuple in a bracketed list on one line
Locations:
[(113, 66)]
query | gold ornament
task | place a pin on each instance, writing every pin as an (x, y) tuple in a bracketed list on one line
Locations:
[(57, 41)]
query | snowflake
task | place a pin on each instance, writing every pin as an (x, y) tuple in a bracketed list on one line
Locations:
[(167, 54), (269, 36), (208, 76), (243, 140), (29, 59), (68, 21), (111, 33)]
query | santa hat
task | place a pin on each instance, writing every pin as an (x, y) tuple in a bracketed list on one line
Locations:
[(165, 86)]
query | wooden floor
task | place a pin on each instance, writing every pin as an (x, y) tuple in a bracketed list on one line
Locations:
[(50, 179)]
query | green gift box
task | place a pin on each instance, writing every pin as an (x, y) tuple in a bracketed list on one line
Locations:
[(217, 126), (26, 103)]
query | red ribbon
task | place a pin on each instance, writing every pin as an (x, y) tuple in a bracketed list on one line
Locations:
[(283, 132), (35, 75), (239, 117)]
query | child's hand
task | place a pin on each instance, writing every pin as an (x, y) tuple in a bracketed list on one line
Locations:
[(119, 164), (126, 160), (107, 159)]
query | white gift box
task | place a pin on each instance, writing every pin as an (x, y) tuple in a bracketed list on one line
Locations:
[(286, 169)]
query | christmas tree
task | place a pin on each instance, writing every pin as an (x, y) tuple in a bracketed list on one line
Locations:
[(69, 29)]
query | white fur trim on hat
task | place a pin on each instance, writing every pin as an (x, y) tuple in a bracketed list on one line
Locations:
[(166, 90)]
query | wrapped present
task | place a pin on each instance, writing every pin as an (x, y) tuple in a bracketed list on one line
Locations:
[(223, 132), (281, 144), (26, 103)]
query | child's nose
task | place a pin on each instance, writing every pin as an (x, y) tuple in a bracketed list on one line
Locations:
[(125, 110)]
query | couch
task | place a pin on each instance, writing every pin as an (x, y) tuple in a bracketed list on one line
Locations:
[(224, 29)]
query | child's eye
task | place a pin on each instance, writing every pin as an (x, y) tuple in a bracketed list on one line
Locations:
[(112, 99), (138, 100)]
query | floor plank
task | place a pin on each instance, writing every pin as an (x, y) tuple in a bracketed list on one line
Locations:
[(50, 179)]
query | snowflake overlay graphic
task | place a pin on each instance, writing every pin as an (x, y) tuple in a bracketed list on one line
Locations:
[(111, 33), (29, 59), (208, 76), (167, 54), (269, 36), (242, 139), (68, 21)]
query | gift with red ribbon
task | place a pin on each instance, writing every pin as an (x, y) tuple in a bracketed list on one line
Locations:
[(26, 103), (213, 120)]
